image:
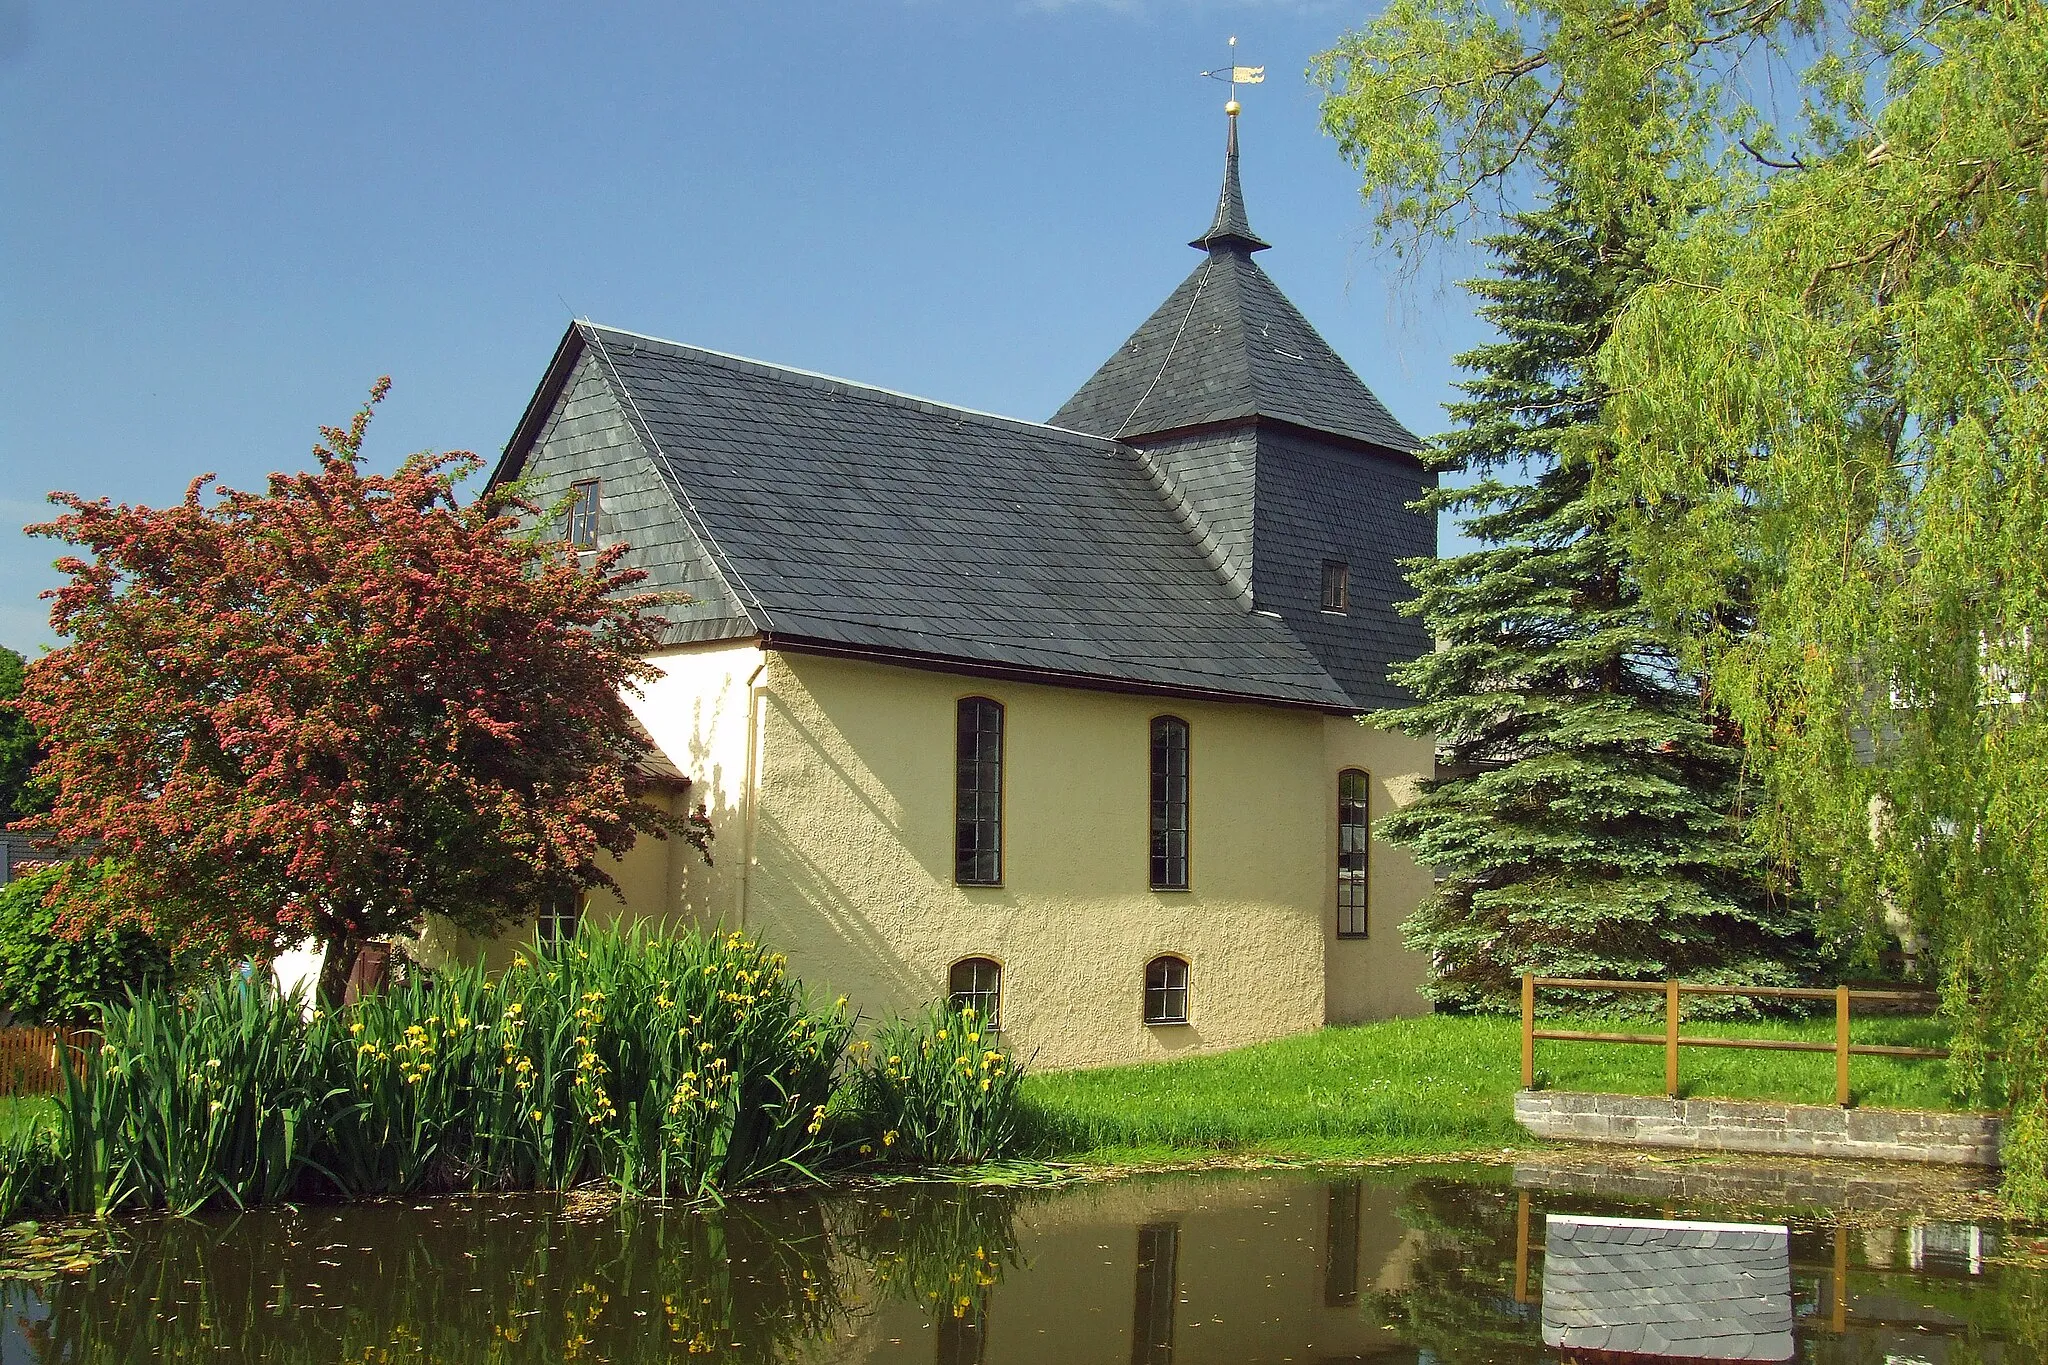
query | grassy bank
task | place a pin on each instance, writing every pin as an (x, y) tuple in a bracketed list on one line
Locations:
[(1433, 1085)]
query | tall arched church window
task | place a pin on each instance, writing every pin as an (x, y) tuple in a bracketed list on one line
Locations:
[(1354, 848), (1169, 804), (978, 794)]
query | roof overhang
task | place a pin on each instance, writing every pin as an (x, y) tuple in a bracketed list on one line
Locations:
[(1044, 677)]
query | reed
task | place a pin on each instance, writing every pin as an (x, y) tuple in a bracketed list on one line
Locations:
[(672, 1067), (937, 1090), (214, 1099)]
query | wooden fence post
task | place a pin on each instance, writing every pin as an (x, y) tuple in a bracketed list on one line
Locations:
[(1528, 1030), (1671, 1038), (1838, 1286), (1842, 1046), (1521, 1246)]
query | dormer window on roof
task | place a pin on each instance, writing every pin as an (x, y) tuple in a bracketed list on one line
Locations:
[(580, 527), (1336, 585)]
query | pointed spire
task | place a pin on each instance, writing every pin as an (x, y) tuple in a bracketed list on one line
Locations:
[(1230, 230)]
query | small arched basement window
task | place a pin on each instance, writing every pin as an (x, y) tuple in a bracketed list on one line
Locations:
[(977, 983), (978, 793), (1169, 846), (1166, 990), (1354, 850)]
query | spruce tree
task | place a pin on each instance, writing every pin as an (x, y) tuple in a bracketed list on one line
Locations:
[(1583, 820)]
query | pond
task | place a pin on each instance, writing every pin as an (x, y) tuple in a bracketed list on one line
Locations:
[(1399, 1266)]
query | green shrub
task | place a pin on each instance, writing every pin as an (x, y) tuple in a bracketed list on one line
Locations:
[(936, 1090), (47, 978)]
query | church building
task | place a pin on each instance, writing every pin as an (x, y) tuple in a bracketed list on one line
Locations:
[(1058, 718)]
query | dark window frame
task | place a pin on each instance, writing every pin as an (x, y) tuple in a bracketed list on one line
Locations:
[(977, 989), (1164, 994), (580, 527), (558, 922), (1169, 826), (978, 791), (1354, 853), (1337, 587)]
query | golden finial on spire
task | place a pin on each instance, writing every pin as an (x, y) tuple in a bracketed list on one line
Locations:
[(1236, 75)]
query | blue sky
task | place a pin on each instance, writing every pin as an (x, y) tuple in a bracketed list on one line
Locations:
[(221, 222)]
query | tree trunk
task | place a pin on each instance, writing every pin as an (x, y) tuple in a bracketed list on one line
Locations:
[(337, 963)]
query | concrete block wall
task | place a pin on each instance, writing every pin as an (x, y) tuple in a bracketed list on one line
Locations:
[(1755, 1126)]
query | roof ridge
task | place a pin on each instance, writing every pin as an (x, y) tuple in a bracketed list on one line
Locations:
[(714, 549), (1235, 578), (932, 405)]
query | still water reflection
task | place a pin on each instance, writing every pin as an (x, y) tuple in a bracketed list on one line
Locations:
[(1401, 1267)]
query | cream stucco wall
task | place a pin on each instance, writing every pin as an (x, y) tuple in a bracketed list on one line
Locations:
[(1377, 976), (830, 787), (853, 859)]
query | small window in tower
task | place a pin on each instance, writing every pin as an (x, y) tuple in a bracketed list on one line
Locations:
[(581, 530), (1336, 585)]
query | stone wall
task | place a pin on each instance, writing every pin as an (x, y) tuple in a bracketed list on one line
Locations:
[(1753, 1126)]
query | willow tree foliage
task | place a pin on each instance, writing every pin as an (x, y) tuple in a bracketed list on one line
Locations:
[(1831, 391), (1585, 825)]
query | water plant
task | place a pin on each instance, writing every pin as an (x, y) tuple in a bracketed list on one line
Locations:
[(938, 1089), (217, 1098), (32, 1180), (671, 1066)]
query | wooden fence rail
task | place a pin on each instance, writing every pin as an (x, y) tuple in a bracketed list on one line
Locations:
[(1670, 1040), (28, 1058)]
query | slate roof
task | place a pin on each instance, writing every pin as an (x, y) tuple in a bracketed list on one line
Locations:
[(1667, 1290), (855, 519), (1227, 345)]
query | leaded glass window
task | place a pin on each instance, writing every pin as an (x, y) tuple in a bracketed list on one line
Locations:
[(1169, 804), (1166, 991), (978, 794), (977, 983), (1354, 839)]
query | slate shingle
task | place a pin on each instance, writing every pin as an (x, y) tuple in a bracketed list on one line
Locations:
[(1667, 1289), (858, 518)]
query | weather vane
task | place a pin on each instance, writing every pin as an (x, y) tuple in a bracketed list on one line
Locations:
[(1236, 75)]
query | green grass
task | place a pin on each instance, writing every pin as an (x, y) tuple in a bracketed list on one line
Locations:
[(1434, 1085), (17, 1112)]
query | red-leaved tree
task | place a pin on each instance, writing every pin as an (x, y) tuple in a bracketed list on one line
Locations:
[(326, 711)]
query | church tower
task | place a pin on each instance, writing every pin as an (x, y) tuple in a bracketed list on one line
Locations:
[(1287, 467)]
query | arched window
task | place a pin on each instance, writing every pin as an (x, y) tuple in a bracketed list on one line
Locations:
[(978, 794), (1169, 804), (1166, 990), (1354, 847), (977, 983)]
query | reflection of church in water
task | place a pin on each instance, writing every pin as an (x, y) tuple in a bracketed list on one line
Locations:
[(1381, 1270)]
